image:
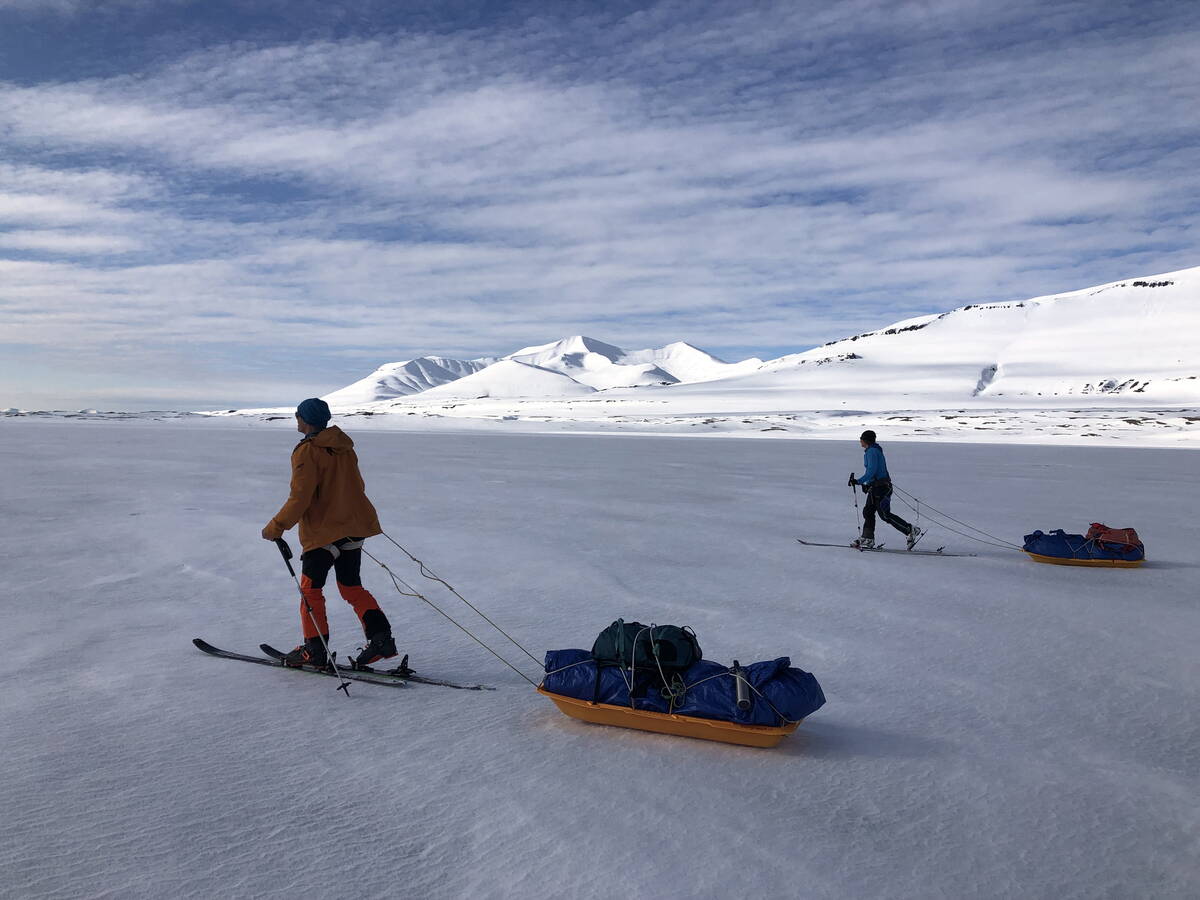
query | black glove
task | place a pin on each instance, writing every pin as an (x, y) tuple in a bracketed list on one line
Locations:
[(852, 482)]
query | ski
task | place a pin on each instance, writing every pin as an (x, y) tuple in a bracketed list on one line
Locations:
[(401, 671), (366, 677), (881, 549)]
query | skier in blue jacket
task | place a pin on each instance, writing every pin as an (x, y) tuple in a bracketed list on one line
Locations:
[(877, 485)]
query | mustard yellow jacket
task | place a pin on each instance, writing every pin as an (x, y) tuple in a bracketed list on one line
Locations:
[(328, 497)]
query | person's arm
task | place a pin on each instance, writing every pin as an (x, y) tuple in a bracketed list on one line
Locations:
[(871, 461), (304, 487)]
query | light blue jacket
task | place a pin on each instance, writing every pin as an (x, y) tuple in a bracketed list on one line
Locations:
[(876, 465)]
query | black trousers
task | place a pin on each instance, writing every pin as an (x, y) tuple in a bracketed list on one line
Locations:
[(345, 558), (879, 499), (347, 566)]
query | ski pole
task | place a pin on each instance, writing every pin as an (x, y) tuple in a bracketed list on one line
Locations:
[(286, 552), (854, 495)]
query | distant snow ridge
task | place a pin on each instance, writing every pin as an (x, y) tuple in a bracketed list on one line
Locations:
[(588, 364), (604, 366), (400, 379), (591, 362), (1106, 342), (511, 379), (688, 364), (1111, 344)]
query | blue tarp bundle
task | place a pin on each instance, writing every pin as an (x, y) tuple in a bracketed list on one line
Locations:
[(793, 693), (1060, 545)]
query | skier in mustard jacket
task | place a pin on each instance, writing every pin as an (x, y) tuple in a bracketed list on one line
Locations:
[(329, 501)]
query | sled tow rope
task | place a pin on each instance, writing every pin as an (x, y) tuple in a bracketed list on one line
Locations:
[(407, 590), (931, 511)]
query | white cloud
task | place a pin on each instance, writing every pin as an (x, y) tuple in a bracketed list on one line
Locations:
[(42, 6), (775, 176), (74, 8), (67, 242)]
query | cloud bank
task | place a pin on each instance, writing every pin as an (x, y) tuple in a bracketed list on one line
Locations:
[(269, 216)]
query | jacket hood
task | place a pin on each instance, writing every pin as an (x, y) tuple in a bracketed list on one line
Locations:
[(333, 438)]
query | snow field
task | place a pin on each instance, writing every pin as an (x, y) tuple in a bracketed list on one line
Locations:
[(995, 728)]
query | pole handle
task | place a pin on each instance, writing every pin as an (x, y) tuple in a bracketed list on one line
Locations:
[(286, 552)]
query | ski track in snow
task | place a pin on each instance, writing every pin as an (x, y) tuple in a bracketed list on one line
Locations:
[(994, 728)]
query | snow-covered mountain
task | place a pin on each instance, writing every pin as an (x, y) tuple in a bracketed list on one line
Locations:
[(399, 379), (594, 363), (688, 364), (509, 379), (1133, 343), (603, 366), (590, 364)]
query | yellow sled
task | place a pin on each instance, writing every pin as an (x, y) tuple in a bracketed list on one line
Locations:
[(670, 723), (1091, 563)]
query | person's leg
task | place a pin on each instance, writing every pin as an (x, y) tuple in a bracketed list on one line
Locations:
[(348, 569), (868, 526), (885, 513), (375, 625), (314, 569)]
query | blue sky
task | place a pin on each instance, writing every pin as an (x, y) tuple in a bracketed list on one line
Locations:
[(217, 204)]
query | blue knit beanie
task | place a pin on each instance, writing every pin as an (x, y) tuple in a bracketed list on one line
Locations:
[(314, 411)]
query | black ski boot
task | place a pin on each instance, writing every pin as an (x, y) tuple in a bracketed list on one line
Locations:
[(380, 644), (310, 653)]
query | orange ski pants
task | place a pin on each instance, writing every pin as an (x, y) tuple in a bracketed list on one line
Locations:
[(315, 566)]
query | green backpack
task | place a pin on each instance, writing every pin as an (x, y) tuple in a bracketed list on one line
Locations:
[(641, 646)]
